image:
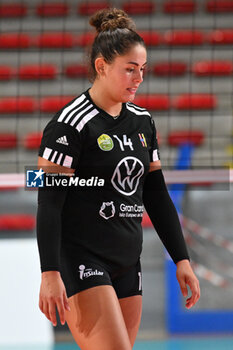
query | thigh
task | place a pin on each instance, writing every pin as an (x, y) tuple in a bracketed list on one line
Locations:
[(96, 321), (131, 308), (128, 287)]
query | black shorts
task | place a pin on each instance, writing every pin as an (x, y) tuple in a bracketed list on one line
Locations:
[(79, 274)]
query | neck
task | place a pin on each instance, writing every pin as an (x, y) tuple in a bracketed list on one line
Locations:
[(103, 100)]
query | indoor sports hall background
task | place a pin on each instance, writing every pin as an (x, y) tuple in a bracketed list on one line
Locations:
[(188, 89)]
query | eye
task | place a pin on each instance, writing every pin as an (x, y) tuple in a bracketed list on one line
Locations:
[(130, 70)]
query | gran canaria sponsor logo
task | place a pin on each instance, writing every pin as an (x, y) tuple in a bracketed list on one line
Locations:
[(131, 211), (105, 142)]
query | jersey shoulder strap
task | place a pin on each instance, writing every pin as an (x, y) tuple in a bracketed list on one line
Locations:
[(132, 107), (77, 113)]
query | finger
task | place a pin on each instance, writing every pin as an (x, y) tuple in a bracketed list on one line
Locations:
[(183, 287), (61, 310), (66, 302), (195, 294), (190, 301), (52, 313), (41, 305), (46, 310), (198, 292)]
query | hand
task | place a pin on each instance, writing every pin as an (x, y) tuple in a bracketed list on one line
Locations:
[(52, 295), (186, 276)]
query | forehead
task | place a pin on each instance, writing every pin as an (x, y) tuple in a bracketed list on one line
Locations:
[(136, 54)]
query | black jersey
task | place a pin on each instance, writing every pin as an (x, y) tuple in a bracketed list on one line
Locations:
[(103, 216)]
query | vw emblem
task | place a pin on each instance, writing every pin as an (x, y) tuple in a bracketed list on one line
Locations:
[(127, 174)]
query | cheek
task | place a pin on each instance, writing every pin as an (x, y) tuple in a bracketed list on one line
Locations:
[(125, 79), (120, 79)]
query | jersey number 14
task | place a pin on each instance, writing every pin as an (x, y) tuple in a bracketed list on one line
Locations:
[(126, 142)]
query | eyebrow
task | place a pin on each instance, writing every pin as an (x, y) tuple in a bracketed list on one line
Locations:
[(136, 64)]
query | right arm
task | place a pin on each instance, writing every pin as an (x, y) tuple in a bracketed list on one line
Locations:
[(50, 205)]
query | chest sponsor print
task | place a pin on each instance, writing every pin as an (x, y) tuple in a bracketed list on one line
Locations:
[(127, 174), (108, 210)]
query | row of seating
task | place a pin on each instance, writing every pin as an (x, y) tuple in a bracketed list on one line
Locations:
[(51, 71), (51, 104), (10, 140), (27, 222), (32, 140), (17, 222), (61, 8), (68, 40)]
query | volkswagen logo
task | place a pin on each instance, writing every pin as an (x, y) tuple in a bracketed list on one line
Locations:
[(127, 174)]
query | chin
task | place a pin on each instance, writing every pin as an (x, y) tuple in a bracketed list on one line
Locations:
[(131, 98)]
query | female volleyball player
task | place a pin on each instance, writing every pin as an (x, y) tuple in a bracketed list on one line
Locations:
[(89, 234)]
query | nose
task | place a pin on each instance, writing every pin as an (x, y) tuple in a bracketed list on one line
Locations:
[(139, 77)]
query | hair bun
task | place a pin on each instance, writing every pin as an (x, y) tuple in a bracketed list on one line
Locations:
[(111, 19)]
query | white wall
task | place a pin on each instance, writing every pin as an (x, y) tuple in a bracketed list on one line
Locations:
[(21, 321)]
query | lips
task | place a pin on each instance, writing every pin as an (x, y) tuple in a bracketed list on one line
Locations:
[(132, 90)]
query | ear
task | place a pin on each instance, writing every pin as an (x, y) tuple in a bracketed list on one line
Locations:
[(100, 66)]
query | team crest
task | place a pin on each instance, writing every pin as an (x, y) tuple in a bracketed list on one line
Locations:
[(107, 210), (105, 142), (142, 139)]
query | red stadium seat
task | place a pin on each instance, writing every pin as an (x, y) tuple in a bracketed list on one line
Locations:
[(224, 36), (32, 140), (183, 37), (87, 8), (8, 140), (6, 72), (14, 41), (146, 222), (8, 188), (54, 103), (13, 10), (170, 68), (195, 101), (52, 9), (179, 6), (139, 7), (35, 71), (76, 71), (219, 6), (55, 40), (17, 105), (17, 222), (150, 38), (84, 39), (204, 68), (176, 138), (153, 102)]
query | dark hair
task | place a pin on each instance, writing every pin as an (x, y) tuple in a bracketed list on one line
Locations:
[(116, 35)]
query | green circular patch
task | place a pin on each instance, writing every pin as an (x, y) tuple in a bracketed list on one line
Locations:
[(105, 142)]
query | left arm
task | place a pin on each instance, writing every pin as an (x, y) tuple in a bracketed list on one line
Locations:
[(164, 217)]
